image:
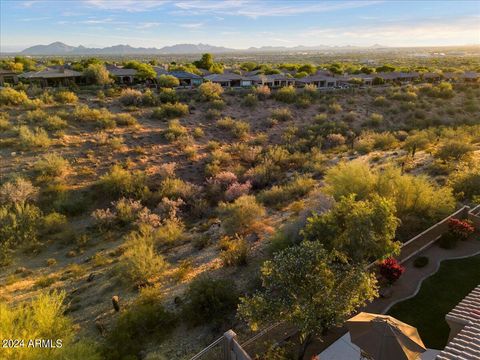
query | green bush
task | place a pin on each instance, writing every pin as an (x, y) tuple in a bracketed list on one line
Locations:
[(210, 301), (146, 319), (278, 195), (130, 97), (168, 81), (170, 111), (175, 130), (454, 150), (250, 100), (66, 97), (209, 91), (121, 182), (167, 96), (9, 96), (100, 117), (242, 214), (466, 182), (125, 120), (54, 223), (54, 122), (52, 166), (286, 94), (283, 114), (43, 318), (234, 251), (174, 188), (33, 139), (448, 240)]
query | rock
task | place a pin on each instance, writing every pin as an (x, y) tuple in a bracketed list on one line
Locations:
[(13, 153), (20, 270), (116, 303), (71, 254)]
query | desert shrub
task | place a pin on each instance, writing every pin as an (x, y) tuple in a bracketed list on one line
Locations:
[(125, 120), (174, 188), (454, 150), (52, 166), (170, 231), (380, 101), (209, 91), (466, 182), (250, 100), (198, 132), (34, 116), (130, 97), (384, 141), (54, 223), (217, 104), (140, 262), (242, 214), (169, 111), (263, 174), (390, 270), (420, 261), (375, 119), (236, 189), (212, 114), (278, 195), (364, 143), (33, 139), (417, 141), (18, 191), (54, 122), (282, 114), (100, 117), (121, 182), (66, 97), (175, 130), (240, 129), (262, 92), (97, 74), (226, 123), (43, 318), (335, 108), (234, 251), (210, 301), (333, 141), (167, 81), (9, 96), (167, 96), (144, 320), (286, 94)]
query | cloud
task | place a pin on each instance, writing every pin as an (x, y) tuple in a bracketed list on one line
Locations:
[(256, 9), (192, 25), (35, 19), (127, 5), (147, 25)]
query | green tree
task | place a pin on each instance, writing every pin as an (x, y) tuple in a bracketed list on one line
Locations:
[(206, 62), (144, 71), (310, 288), (308, 68), (97, 74), (385, 68), (364, 230)]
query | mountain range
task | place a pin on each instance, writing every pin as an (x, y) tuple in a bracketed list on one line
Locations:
[(59, 48)]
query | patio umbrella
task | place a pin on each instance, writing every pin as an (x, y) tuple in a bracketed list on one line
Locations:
[(384, 337)]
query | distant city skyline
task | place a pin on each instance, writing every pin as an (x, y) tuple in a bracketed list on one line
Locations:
[(238, 23)]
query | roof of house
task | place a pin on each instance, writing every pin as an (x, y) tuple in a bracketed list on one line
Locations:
[(450, 75), (179, 74), (7, 72), (50, 73), (466, 344), (120, 71), (430, 75), (317, 77), (160, 70), (223, 77)]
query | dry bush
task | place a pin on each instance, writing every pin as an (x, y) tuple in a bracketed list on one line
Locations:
[(241, 215), (121, 182), (287, 94), (279, 195), (130, 97), (52, 166), (9, 96), (33, 139), (66, 97), (175, 130), (282, 114), (234, 251), (169, 111), (125, 119), (209, 91)]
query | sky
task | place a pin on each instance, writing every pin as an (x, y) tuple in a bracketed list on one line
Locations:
[(238, 23)]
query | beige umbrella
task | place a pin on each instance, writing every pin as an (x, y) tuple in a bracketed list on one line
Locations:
[(384, 337)]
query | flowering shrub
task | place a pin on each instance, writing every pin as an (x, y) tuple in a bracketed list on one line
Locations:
[(391, 270), (460, 228), (236, 189)]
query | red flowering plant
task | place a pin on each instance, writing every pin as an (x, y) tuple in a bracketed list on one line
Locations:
[(460, 228), (390, 270)]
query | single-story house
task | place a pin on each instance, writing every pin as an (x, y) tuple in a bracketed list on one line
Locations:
[(319, 80), (122, 75), (53, 76), (470, 76), (387, 77), (160, 70), (8, 76), (408, 76), (450, 76), (279, 80), (187, 78), (346, 79), (228, 79)]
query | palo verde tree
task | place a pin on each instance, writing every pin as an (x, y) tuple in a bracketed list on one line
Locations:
[(144, 71), (97, 74), (363, 230), (310, 288)]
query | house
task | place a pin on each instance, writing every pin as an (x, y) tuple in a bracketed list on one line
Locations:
[(279, 80), (470, 76), (464, 323), (408, 76), (160, 70), (122, 75), (450, 76), (319, 80), (347, 79), (227, 79), (186, 78), (8, 76), (53, 76)]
